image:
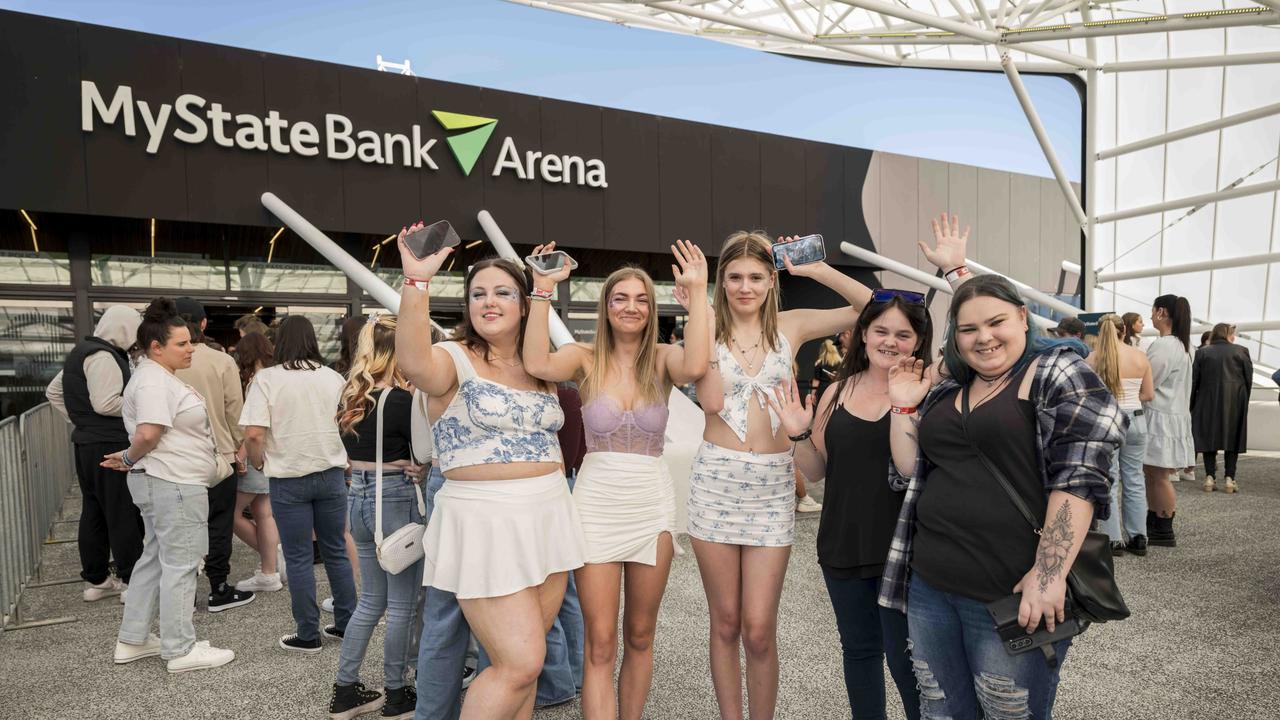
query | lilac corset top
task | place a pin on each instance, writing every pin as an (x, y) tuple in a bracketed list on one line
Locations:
[(609, 428)]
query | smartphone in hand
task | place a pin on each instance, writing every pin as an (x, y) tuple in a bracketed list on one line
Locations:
[(547, 263), (802, 251), (431, 239)]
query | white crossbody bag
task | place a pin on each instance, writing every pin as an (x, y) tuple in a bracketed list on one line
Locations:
[(403, 547)]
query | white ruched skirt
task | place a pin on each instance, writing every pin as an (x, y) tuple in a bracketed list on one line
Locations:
[(738, 497), (626, 501), (489, 538)]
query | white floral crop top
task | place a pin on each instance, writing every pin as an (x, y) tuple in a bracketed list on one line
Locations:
[(488, 423), (740, 388)]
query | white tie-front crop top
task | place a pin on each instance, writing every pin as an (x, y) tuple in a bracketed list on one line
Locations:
[(740, 388)]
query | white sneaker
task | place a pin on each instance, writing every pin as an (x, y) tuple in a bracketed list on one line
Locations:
[(1188, 475), (124, 593), (202, 657), (261, 582), (807, 504), (126, 653), (327, 605), (105, 589), (280, 564)]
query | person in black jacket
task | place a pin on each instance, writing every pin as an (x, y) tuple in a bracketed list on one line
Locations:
[(1221, 379), (89, 392)]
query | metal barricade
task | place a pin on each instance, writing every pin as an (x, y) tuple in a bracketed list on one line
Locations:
[(37, 470)]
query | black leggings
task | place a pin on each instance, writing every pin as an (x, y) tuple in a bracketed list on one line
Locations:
[(1229, 460)]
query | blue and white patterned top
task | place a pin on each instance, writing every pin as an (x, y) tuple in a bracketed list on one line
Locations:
[(741, 388), (488, 423)]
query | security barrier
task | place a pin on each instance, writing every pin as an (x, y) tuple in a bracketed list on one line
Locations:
[(36, 472)]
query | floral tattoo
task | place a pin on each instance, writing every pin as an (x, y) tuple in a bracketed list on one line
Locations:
[(1055, 543)]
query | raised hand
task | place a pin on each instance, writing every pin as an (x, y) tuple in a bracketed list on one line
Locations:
[(423, 269), (806, 270), (549, 281), (795, 413), (949, 243), (908, 382), (691, 273)]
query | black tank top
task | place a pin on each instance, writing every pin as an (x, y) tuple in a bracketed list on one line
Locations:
[(970, 540), (859, 510)]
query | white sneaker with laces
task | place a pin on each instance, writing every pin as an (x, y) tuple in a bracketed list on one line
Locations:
[(327, 605), (807, 504), (105, 589), (201, 657), (127, 653), (261, 582)]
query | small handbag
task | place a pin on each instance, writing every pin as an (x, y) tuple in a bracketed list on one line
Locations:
[(402, 548), (1091, 581)]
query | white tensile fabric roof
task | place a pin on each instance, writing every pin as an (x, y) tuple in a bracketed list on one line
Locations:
[(1182, 131)]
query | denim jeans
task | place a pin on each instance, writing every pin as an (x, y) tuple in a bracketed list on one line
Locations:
[(317, 501), (175, 519), (869, 635), (380, 591), (1128, 487), (961, 664)]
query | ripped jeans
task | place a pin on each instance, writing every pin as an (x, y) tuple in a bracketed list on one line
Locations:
[(962, 668)]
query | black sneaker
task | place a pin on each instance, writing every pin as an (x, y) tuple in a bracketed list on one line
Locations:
[(225, 597), (1117, 548), (1137, 545), (332, 631), (293, 643), (348, 701), (401, 703)]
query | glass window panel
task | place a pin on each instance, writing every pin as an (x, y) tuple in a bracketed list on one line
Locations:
[(585, 289), (328, 325), (287, 277), (35, 337), (161, 272), (31, 268)]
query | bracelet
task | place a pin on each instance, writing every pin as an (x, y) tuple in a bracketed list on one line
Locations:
[(911, 410), (961, 272), (124, 458), (802, 436), (417, 283), (539, 298), (540, 294)]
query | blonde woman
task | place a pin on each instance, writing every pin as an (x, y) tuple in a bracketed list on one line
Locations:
[(624, 493), (825, 368), (741, 504), (374, 373), (1126, 372)]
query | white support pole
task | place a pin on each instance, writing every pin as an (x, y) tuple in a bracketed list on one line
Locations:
[(1228, 121), (1071, 267), (1273, 4), (1182, 269), (1193, 201), (1261, 58), (1026, 290), (1024, 99), (560, 335), (1153, 24), (1090, 159)]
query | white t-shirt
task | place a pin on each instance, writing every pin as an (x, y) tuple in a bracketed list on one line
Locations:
[(185, 454), (298, 408)]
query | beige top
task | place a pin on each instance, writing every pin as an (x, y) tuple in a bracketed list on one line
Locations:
[(185, 454), (106, 386), (298, 408), (216, 377)]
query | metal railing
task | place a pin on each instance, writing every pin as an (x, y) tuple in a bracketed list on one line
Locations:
[(37, 470)]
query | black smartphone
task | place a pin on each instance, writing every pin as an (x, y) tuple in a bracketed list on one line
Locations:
[(802, 251), (431, 239), (547, 263), (1004, 612)]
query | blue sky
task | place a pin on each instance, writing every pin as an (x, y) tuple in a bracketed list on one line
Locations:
[(970, 118)]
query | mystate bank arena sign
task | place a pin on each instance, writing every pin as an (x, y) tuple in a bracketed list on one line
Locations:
[(194, 120)]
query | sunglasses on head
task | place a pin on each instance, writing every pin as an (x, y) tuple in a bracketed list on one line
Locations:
[(887, 294)]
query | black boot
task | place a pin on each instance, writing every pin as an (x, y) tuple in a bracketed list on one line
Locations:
[(1160, 531), (401, 703), (1137, 545), (348, 701)]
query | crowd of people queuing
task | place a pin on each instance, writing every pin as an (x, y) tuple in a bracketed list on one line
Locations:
[(547, 515)]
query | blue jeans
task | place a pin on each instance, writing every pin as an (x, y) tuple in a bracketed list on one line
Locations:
[(317, 501), (380, 591), (1127, 480), (870, 634), (961, 664)]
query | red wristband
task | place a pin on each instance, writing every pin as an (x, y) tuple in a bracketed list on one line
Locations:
[(903, 410), (542, 294), (417, 283)]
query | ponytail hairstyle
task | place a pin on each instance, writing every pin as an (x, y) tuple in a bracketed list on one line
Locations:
[(158, 322), (998, 287), (1110, 333), (646, 367), (756, 246), (1179, 312), (1130, 319), (373, 361)]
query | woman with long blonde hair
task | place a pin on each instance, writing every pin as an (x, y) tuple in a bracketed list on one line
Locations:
[(376, 386), (624, 493), (1126, 372)]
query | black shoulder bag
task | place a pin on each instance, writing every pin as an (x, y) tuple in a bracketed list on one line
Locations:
[(1092, 592)]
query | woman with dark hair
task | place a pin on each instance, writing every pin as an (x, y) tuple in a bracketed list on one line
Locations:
[(348, 338), (253, 353), (1035, 413), (504, 532), (171, 460), (1221, 380), (291, 434), (1133, 328), (1170, 444)]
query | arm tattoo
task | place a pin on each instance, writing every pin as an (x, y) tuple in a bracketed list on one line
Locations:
[(1055, 543)]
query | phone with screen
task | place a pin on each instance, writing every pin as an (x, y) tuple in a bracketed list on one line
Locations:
[(547, 263), (802, 251), (431, 239)]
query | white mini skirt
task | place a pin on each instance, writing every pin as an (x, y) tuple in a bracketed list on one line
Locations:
[(626, 501), (738, 497), (489, 538)]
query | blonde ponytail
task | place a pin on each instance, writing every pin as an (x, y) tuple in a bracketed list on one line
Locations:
[(1110, 330)]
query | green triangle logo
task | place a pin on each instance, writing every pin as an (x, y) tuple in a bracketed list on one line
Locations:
[(468, 145)]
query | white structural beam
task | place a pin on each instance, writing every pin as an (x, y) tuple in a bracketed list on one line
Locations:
[(1192, 201), (1273, 4), (1183, 268), (1225, 122), (1073, 268), (1145, 24), (560, 335), (1042, 136), (1026, 291), (1090, 153), (1198, 61)]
